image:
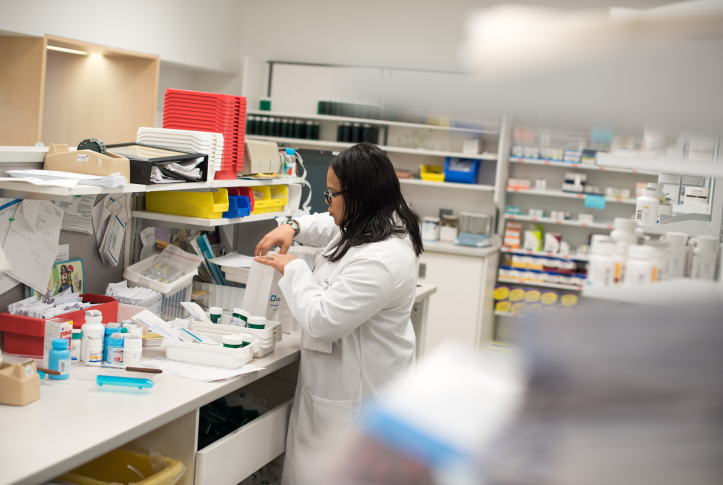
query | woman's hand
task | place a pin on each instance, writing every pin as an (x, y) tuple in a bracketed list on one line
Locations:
[(282, 237), (276, 261)]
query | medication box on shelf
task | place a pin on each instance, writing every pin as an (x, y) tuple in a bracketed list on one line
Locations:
[(61, 159), (460, 170), (25, 335), (206, 205)]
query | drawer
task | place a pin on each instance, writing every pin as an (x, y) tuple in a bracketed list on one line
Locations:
[(237, 455)]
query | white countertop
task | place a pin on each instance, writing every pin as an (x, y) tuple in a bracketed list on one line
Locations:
[(451, 248), (424, 291), (73, 422)]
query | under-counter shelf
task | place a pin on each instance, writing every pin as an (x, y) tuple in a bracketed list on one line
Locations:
[(240, 453)]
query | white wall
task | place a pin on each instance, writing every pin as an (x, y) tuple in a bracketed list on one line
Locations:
[(204, 34), (417, 34)]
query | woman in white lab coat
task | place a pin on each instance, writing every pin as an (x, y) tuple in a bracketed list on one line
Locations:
[(353, 306)]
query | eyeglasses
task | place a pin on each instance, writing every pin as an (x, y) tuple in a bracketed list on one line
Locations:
[(328, 195)]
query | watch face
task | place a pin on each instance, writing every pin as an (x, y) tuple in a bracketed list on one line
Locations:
[(146, 152)]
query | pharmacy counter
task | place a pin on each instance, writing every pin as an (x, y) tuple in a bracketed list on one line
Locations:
[(73, 422)]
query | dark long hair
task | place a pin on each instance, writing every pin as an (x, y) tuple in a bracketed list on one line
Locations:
[(372, 196)]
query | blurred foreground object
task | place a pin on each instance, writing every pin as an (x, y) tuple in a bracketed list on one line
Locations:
[(631, 395), (628, 395), (433, 423), (663, 62)]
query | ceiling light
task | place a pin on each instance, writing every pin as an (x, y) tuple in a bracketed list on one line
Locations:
[(69, 51)]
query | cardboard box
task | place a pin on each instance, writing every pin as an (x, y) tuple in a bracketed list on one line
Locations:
[(61, 159)]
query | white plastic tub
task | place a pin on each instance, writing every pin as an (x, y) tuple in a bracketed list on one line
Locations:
[(209, 354), (133, 275), (239, 275), (265, 337)]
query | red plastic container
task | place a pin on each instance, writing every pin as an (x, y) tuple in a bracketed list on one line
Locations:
[(25, 335), (211, 112)]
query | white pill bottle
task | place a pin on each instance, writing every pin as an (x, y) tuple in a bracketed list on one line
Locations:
[(704, 258), (646, 208)]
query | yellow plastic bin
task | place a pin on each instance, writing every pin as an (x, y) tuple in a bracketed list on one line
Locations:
[(206, 205), (271, 198), (433, 173), (113, 468)]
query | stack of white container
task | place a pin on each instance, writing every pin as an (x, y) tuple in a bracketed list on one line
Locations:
[(210, 144), (627, 257)]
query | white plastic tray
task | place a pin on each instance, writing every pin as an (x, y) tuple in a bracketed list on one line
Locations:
[(133, 275), (265, 337), (209, 355)]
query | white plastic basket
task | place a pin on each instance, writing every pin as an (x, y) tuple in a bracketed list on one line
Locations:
[(209, 354), (133, 275)]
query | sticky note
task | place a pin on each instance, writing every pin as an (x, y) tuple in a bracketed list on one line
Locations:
[(595, 201)]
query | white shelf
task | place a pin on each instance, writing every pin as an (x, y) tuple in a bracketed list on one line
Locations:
[(543, 254), (567, 195), (448, 185), (564, 222), (368, 121), (507, 314), (658, 165), (583, 166), (391, 149), (556, 286), (680, 291), (692, 227), (48, 190), (197, 221)]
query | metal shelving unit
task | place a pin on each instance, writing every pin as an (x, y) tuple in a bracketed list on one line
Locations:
[(542, 284)]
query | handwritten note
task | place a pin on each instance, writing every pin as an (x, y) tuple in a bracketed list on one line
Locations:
[(32, 242)]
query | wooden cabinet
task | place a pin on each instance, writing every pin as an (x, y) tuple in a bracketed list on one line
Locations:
[(57, 96), (462, 307)]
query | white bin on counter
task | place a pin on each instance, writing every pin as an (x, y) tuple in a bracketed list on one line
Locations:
[(218, 356)]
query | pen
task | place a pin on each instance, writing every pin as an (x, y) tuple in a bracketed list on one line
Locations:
[(146, 370)]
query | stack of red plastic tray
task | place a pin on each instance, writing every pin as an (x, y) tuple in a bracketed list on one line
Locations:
[(215, 113)]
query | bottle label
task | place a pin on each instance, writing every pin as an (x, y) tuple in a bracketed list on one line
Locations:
[(64, 366), (642, 215), (95, 356), (115, 355)]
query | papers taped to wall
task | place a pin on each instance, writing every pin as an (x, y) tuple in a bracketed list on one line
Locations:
[(32, 242), (78, 214), (112, 217)]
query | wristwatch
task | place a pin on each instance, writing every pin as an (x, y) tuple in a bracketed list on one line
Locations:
[(293, 223)]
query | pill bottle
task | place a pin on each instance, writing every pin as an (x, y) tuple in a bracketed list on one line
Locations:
[(646, 208), (92, 328), (657, 259), (75, 345), (94, 351), (638, 267), (128, 325), (619, 258), (665, 214), (59, 358), (257, 322), (704, 258), (602, 267), (132, 349), (110, 329), (114, 354), (233, 341), (240, 318), (676, 255), (624, 230), (214, 313)]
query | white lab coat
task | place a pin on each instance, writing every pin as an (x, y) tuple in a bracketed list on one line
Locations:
[(357, 335)]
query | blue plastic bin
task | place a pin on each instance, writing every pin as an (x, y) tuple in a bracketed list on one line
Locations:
[(238, 206), (461, 170)]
